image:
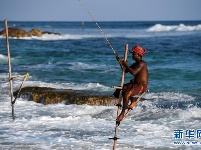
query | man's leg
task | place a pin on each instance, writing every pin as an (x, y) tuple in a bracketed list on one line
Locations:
[(133, 103), (125, 106), (126, 92), (140, 89), (131, 91)]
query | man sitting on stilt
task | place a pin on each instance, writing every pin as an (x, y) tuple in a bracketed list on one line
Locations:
[(136, 86)]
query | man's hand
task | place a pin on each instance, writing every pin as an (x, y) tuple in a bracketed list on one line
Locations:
[(118, 59), (124, 63)]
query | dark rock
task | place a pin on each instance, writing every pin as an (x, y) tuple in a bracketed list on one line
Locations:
[(46, 95), (47, 32), (36, 32), (15, 32)]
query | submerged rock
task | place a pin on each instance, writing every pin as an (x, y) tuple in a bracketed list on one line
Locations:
[(47, 32), (15, 32), (46, 95), (36, 32)]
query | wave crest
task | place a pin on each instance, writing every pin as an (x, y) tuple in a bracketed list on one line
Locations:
[(181, 27), (3, 59)]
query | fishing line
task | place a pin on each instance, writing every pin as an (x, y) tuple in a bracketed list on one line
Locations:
[(98, 27)]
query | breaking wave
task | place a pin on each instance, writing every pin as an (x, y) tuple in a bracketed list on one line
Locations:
[(180, 27)]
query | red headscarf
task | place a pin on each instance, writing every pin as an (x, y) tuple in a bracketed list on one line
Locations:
[(139, 50)]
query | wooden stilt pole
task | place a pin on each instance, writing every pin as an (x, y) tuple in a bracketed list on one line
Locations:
[(120, 99), (9, 68), (138, 99), (25, 77)]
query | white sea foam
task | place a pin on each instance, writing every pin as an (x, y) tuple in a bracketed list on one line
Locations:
[(46, 37), (3, 59), (85, 66), (60, 126), (50, 37), (3, 56), (169, 96), (166, 28)]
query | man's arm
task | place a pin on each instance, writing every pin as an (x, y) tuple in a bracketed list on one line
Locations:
[(135, 70)]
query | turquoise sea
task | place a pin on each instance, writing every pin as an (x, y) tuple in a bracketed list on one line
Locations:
[(81, 59)]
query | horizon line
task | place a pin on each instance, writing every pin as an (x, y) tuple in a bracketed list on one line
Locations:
[(97, 21)]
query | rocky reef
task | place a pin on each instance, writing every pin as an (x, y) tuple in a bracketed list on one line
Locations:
[(15, 32), (46, 95)]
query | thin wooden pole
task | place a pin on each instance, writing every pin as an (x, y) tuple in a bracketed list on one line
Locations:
[(9, 68), (25, 77), (120, 98), (15, 77)]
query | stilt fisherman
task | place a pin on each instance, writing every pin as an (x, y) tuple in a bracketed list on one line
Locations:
[(138, 85)]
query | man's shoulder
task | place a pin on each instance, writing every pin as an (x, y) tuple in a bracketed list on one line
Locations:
[(142, 62)]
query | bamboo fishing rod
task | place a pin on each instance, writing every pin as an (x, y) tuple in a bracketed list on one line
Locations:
[(99, 28)]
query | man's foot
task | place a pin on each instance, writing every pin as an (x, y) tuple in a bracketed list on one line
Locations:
[(133, 103), (120, 117)]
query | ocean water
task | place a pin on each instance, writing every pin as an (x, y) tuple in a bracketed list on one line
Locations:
[(81, 59)]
